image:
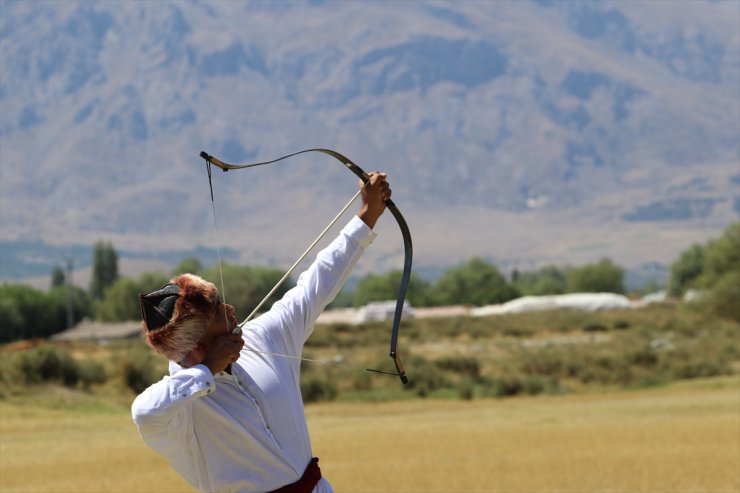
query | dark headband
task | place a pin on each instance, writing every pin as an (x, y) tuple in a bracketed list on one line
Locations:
[(157, 307)]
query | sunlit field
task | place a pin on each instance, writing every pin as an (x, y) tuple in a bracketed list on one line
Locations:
[(681, 438)]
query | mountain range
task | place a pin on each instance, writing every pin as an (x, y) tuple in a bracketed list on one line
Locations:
[(523, 132)]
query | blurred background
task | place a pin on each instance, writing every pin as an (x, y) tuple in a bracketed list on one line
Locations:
[(524, 133), (569, 171)]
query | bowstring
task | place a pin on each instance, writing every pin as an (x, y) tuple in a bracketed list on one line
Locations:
[(223, 292), (218, 244), (326, 362), (301, 358), (305, 253)]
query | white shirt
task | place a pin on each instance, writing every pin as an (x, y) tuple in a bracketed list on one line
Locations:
[(246, 431)]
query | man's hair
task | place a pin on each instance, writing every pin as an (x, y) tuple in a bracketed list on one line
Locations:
[(195, 303)]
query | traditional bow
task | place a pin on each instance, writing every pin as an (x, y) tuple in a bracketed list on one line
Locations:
[(408, 249)]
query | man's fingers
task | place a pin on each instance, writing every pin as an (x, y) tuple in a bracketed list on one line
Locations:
[(231, 345), (386, 194), (377, 177), (380, 180)]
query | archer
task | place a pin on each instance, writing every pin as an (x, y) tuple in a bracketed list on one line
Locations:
[(231, 419)]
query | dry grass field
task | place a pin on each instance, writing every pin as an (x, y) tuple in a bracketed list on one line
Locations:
[(675, 439)]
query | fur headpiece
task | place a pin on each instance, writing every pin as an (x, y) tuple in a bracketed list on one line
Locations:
[(175, 316)]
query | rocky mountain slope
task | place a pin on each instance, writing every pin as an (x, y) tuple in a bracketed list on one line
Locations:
[(523, 132)]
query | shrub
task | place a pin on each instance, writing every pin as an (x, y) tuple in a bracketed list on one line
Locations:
[(465, 390), (49, 364), (464, 365), (138, 369), (621, 324), (90, 373), (517, 332), (427, 377), (644, 357), (722, 299), (595, 327), (543, 361), (534, 385), (10, 375), (362, 381), (316, 389), (504, 385), (699, 369)]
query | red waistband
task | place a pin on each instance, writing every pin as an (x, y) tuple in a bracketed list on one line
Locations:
[(308, 481)]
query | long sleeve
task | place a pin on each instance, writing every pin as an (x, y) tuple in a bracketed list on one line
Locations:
[(296, 313), (163, 407)]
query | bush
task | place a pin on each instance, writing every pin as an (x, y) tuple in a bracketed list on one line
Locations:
[(10, 375), (603, 276), (465, 390), (138, 369), (534, 385), (27, 313), (595, 327), (362, 381), (464, 365), (722, 298), (543, 361), (49, 364), (427, 377), (517, 332), (621, 324), (511, 385), (507, 386), (91, 373), (316, 389), (644, 357), (700, 369)]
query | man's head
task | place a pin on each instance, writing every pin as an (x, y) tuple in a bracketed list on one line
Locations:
[(181, 316)]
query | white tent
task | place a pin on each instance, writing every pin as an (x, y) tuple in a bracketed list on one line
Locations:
[(574, 301)]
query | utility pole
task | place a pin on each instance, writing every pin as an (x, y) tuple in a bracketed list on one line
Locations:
[(68, 285)]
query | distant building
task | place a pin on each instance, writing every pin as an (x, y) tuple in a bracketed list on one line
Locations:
[(379, 311), (590, 302), (89, 330)]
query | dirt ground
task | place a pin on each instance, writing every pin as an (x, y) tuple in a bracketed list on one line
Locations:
[(683, 438)]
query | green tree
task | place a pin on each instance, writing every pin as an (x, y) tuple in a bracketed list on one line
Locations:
[(80, 302), (246, 286), (188, 265), (686, 269), (723, 299), (27, 313), (546, 280), (12, 322), (121, 299), (58, 277), (381, 287), (603, 276), (550, 280), (105, 269), (721, 256), (475, 283), (720, 274), (344, 299)]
